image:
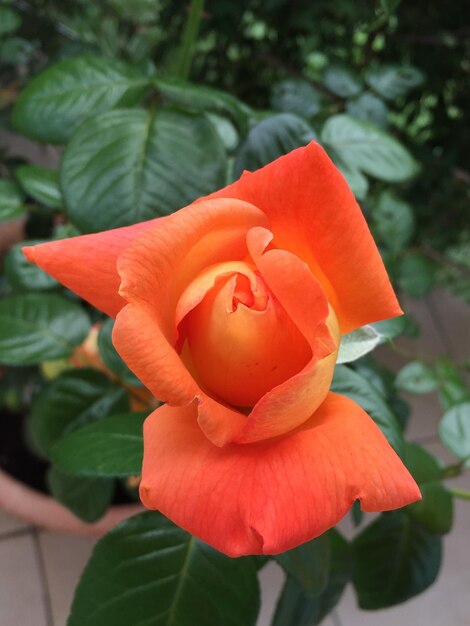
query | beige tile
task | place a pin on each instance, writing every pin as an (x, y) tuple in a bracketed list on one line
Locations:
[(65, 557), (21, 595), (10, 524)]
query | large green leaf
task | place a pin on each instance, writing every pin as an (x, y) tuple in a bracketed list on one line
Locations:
[(271, 138), (435, 510), (110, 447), (416, 274), (368, 148), (395, 558), (358, 343), (10, 20), (349, 383), (393, 81), (454, 430), (393, 221), (296, 608), (148, 572), (297, 96), (54, 103), (354, 177), (111, 358), (39, 327), (23, 275), (11, 201), (202, 98), (368, 108), (41, 184), (308, 564), (88, 498), (127, 166), (72, 400)]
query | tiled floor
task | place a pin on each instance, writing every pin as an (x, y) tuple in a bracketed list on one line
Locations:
[(39, 570)]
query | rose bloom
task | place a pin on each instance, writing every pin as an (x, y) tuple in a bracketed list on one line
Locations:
[(231, 312)]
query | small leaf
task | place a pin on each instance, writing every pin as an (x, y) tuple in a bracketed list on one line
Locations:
[(54, 103), (308, 564), (126, 166), (395, 559), (416, 377), (25, 276), (415, 275), (10, 20), (297, 96), (435, 510), (295, 608), (11, 201), (351, 384), (39, 327), (454, 430), (111, 447), (72, 400), (393, 221), (87, 498), (392, 328), (341, 81), (111, 358), (149, 571), (271, 138), (394, 81), (368, 148), (202, 98), (356, 344), (41, 184), (368, 108)]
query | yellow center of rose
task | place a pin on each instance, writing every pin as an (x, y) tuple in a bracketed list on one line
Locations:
[(240, 342)]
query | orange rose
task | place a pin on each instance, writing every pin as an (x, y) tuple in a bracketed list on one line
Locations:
[(231, 311)]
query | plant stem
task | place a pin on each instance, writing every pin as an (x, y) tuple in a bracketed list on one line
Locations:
[(463, 494), (189, 38)]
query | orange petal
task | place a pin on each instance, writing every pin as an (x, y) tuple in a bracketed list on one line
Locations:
[(271, 496), (292, 402), (314, 214), (155, 270), (87, 264)]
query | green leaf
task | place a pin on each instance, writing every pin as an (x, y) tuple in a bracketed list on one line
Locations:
[(395, 558), (454, 430), (355, 179), (271, 138), (356, 344), (111, 358), (297, 96), (126, 166), (341, 81), (11, 201), (368, 148), (393, 221), (58, 99), (23, 275), (202, 98), (147, 571), (452, 386), (416, 275), (368, 108), (435, 510), (111, 447), (394, 81), (308, 564), (41, 184), (226, 130), (87, 498), (72, 400), (416, 377), (10, 20), (296, 608), (351, 384), (392, 328), (39, 327)]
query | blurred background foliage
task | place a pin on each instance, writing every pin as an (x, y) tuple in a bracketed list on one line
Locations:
[(143, 125)]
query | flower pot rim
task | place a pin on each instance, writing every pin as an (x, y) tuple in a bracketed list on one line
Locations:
[(39, 509)]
